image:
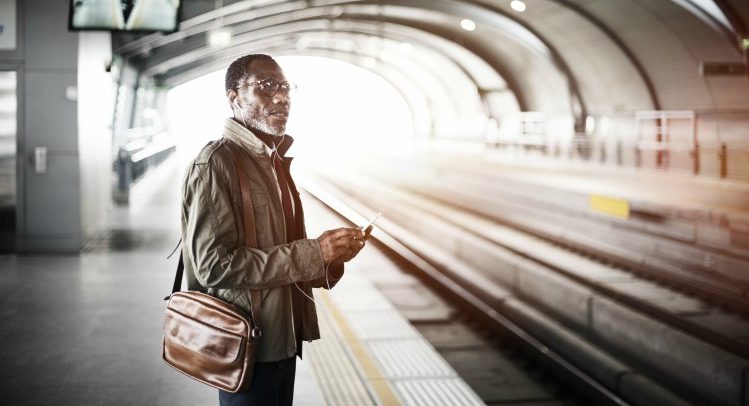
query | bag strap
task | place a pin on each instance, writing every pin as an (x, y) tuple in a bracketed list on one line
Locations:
[(178, 277), (244, 190), (248, 216)]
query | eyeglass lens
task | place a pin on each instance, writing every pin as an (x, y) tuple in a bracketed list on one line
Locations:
[(270, 87)]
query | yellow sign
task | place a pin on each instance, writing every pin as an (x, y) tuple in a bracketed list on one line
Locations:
[(611, 206)]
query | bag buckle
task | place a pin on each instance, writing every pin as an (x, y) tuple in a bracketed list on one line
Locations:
[(256, 332)]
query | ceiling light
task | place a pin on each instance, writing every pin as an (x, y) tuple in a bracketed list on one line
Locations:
[(467, 24), (302, 43), (517, 5), (220, 38), (745, 44)]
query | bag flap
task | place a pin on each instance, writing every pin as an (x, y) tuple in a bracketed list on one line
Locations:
[(200, 337)]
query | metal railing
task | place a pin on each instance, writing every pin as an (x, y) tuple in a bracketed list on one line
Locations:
[(663, 140), (134, 160)]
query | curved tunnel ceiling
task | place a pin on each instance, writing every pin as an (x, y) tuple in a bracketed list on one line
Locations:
[(569, 57), (447, 90), (548, 88)]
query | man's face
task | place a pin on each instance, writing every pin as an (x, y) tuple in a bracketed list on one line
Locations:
[(255, 107)]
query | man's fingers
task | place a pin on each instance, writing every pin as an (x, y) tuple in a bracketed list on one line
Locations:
[(351, 247), (348, 240), (347, 233), (348, 249), (343, 232), (342, 244)]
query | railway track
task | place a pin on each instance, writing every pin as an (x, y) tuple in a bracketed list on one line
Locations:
[(691, 250), (599, 323)]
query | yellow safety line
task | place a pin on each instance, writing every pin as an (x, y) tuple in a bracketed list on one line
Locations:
[(608, 205), (372, 374)]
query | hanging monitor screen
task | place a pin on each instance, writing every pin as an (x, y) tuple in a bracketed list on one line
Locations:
[(124, 15)]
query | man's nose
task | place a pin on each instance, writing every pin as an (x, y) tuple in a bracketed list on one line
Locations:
[(281, 98)]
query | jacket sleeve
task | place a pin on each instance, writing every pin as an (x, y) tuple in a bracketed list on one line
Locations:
[(335, 273), (210, 234)]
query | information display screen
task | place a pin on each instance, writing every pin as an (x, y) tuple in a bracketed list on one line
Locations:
[(124, 15)]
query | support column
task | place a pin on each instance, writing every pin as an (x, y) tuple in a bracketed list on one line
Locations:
[(62, 147)]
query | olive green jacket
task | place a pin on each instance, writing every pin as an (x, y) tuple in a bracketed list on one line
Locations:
[(216, 260)]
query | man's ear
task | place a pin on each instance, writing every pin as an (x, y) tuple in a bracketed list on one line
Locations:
[(232, 95)]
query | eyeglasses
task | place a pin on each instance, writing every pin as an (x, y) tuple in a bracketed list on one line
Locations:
[(269, 87)]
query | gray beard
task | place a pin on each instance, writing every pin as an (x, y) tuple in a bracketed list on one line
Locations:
[(260, 124)]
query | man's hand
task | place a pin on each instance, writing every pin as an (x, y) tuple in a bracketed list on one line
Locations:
[(341, 245)]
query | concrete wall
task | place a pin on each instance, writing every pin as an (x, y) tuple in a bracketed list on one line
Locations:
[(51, 208)]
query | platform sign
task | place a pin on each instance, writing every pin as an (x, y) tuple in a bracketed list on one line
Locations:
[(7, 25), (614, 207)]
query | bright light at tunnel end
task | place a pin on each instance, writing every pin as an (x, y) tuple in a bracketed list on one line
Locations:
[(341, 110), (518, 5), (467, 24)]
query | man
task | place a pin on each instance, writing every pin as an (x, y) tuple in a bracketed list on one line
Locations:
[(286, 265)]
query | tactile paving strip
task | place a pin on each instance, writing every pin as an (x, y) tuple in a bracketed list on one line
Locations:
[(408, 358), (336, 376), (369, 341), (450, 391)]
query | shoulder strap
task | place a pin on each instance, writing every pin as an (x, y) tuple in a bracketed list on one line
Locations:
[(244, 190), (177, 285), (248, 216)]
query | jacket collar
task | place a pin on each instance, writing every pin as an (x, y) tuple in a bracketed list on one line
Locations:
[(249, 140)]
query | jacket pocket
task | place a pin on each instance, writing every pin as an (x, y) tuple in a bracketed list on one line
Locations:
[(259, 197), (263, 222)]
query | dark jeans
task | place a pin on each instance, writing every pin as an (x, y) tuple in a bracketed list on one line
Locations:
[(272, 385)]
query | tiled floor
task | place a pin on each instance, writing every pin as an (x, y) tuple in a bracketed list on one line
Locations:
[(86, 329)]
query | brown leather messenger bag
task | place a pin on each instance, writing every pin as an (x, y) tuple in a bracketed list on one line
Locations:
[(206, 338)]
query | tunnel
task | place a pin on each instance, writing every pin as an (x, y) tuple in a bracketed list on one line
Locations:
[(552, 197)]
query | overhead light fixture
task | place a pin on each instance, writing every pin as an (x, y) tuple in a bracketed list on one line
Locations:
[(302, 43), (518, 5), (220, 38), (745, 44), (336, 12), (467, 24)]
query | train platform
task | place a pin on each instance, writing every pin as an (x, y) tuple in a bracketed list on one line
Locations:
[(657, 190), (86, 329)]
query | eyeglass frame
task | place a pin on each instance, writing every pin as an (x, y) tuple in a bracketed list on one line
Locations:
[(291, 86)]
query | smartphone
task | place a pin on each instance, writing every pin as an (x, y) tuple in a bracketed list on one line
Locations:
[(371, 222)]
